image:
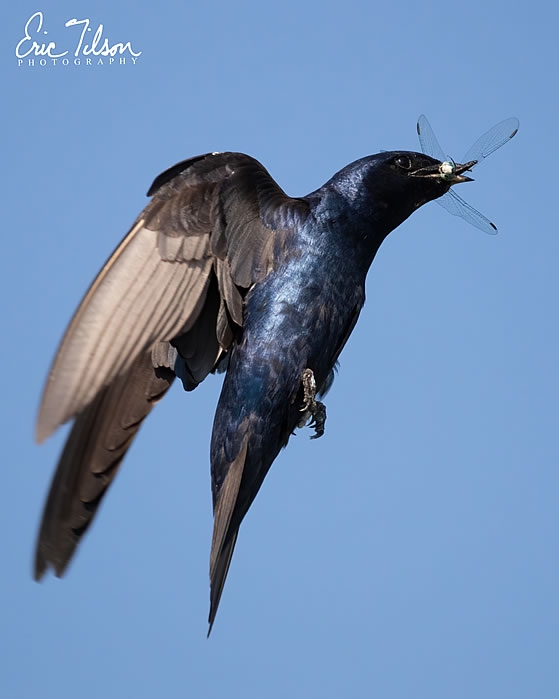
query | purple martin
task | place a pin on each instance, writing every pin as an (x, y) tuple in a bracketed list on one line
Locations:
[(221, 271)]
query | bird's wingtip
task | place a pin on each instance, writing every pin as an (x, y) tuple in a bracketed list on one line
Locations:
[(39, 566), (42, 430), (49, 419)]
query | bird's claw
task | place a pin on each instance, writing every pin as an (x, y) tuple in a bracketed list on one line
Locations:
[(312, 408), (318, 419)]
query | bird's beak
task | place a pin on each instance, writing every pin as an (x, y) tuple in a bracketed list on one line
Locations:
[(453, 177), (458, 177)]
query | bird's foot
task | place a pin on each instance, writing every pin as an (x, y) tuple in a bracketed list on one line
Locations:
[(312, 408)]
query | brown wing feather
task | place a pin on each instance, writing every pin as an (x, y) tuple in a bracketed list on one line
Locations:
[(137, 300), (97, 443)]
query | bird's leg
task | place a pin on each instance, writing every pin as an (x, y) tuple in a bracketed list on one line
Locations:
[(311, 407)]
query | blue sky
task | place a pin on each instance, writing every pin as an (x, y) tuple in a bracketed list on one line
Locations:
[(411, 552)]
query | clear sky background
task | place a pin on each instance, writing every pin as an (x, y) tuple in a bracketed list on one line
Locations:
[(410, 552)]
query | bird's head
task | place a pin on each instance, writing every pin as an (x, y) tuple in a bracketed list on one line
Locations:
[(387, 187)]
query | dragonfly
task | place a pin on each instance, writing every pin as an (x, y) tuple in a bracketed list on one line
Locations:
[(485, 145)]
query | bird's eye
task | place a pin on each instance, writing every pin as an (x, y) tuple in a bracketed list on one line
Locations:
[(404, 162)]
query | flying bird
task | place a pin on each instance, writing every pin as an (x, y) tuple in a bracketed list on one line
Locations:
[(222, 271)]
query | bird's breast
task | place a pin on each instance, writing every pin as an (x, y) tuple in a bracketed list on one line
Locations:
[(298, 316)]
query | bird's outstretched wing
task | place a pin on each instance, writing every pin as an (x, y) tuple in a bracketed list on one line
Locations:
[(219, 216), (216, 225)]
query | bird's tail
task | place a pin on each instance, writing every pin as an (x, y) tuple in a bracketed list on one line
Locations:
[(97, 443), (225, 530)]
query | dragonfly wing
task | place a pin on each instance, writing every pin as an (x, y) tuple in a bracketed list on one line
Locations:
[(492, 140), (428, 140), (456, 206), (486, 144)]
